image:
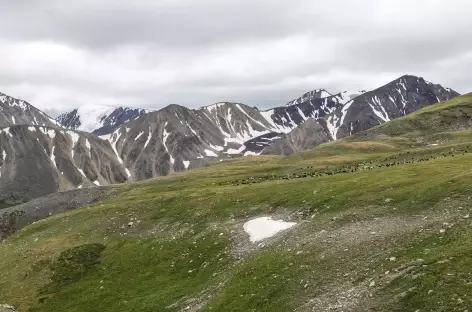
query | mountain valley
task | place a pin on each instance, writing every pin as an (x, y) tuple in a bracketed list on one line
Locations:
[(376, 221)]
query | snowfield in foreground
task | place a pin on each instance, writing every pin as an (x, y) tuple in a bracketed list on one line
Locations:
[(264, 227)]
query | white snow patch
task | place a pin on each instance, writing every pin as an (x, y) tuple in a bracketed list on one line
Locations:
[(193, 131), (74, 137), (324, 94), (249, 153), (381, 114), (216, 148), (113, 138), (301, 113), (80, 186), (244, 112), (213, 106), (264, 227), (334, 123), (277, 128), (235, 151), (81, 172), (92, 116), (7, 131), (51, 133), (139, 135), (89, 147), (148, 139), (53, 158), (166, 135), (96, 183), (210, 153)]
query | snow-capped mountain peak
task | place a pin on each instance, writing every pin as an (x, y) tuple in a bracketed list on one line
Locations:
[(351, 94), (92, 116), (99, 119)]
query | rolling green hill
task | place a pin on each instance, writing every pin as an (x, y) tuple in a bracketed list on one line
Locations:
[(383, 224)]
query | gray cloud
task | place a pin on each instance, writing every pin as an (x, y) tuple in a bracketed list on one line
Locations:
[(60, 54)]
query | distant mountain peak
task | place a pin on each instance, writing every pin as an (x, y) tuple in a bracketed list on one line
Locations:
[(99, 119), (314, 94)]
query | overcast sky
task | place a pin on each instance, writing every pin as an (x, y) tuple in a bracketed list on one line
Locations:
[(60, 54)]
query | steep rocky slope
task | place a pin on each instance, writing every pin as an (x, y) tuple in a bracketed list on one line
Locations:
[(35, 161), (309, 134), (177, 138), (18, 112), (365, 110), (395, 99)]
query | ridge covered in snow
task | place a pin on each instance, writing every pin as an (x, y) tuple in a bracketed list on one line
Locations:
[(99, 119)]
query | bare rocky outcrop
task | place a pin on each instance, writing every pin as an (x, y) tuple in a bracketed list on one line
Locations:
[(7, 308), (306, 136), (15, 218), (35, 161)]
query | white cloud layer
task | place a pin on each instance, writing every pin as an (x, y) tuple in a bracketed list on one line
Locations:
[(60, 54)]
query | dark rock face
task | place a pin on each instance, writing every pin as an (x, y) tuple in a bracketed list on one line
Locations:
[(70, 120), (311, 95), (306, 136), (35, 161), (365, 110), (18, 112), (396, 99)]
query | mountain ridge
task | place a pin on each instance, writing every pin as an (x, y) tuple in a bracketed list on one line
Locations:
[(15, 111), (176, 138)]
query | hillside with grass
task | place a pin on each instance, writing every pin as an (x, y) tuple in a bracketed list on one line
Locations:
[(382, 223)]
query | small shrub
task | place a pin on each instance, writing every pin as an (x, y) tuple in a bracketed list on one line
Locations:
[(72, 265)]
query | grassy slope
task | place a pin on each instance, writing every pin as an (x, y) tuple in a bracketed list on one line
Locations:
[(186, 248)]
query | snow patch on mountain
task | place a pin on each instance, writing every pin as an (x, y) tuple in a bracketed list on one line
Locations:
[(264, 227), (99, 119), (92, 116)]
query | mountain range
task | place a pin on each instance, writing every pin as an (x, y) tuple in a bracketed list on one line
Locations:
[(87, 146), (376, 221)]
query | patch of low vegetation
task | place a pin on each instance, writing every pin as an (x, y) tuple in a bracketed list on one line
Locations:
[(72, 265)]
